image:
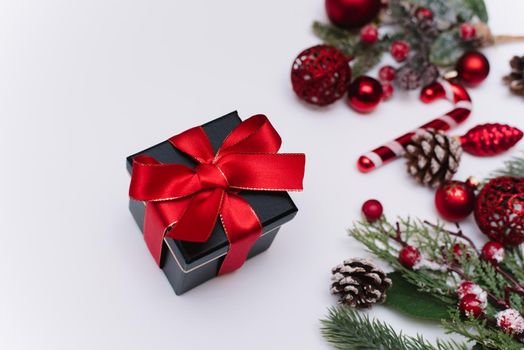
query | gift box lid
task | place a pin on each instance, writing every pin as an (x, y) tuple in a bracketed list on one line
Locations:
[(272, 208)]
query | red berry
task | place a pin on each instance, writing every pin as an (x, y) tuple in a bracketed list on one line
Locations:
[(459, 249), (400, 50), (470, 305), (409, 256), (369, 34), (493, 252), (465, 288), (387, 73), (387, 91), (423, 13), (372, 210), (467, 31), (511, 321)]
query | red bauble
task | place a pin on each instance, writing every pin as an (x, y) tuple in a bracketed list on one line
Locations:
[(470, 305), (423, 13), (493, 252), (472, 68), (372, 210), (467, 31), (320, 75), (499, 210), (409, 256), (490, 139), (400, 50), (369, 34), (455, 200), (387, 91), (364, 94), (387, 73), (350, 14)]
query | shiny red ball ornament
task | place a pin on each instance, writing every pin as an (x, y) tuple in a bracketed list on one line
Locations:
[(490, 139), (499, 210), (472, 68), (455, 200), (467, 31), (369, 34), (470, 305), (400, 50), (364, 94), (351, 14), (387, 73), (372, 210), (320, 75), (493, 252), (409, 256)]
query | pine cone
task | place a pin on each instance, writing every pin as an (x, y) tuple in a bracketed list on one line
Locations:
[(359, 283), (407, 78), (428, 27), (515, 79), (433, 157), (429, 74)]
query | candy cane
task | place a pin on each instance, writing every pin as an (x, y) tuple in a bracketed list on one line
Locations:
[(454, 92)]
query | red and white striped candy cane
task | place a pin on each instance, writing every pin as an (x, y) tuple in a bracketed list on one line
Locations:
[(440, 89)]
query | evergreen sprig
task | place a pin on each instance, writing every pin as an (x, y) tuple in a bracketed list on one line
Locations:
[(512, 167), (347, 329)]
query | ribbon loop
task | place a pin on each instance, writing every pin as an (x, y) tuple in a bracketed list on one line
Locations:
[(184, 203)]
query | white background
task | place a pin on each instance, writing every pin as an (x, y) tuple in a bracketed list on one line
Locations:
[(83, 84)]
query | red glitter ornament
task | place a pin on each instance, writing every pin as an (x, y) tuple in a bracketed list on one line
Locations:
[(372, 210), (399, 50), (320, 75), (470, 305), (351, 14), (472, 68), (499, 210), (409, 256), (364, 94), (490, 139), (455, 200), (369, 34), (493, 252)]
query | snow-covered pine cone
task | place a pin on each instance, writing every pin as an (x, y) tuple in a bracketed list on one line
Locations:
[(515, 79), (407, 78), (359, 283), (430, 73), (433, 157)]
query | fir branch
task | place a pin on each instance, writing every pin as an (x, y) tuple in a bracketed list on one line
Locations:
[(347, 329), (343, 40), (513, 167), (480, 332)]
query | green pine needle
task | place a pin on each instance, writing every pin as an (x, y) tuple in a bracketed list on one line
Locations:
[(348, 329), (513, 167)]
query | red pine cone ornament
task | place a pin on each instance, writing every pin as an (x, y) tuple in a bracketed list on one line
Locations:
[(320, 75), (490, 139), (499, 210)]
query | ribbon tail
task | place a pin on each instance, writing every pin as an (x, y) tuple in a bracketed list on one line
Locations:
[(158, 218), (242, 227)]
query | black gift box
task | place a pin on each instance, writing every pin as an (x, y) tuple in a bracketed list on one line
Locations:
[(188, 264)]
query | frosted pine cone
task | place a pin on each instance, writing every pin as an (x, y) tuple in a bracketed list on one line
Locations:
[(359, 283), (407, 78), (433, 157), (429, 74)]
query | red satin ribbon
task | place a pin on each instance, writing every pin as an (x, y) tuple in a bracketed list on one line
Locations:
[(184, 203)]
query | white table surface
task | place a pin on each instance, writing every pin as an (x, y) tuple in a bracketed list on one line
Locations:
[(83, 84)]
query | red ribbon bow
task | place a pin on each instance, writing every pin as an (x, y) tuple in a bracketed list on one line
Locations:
[(184, 203)]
